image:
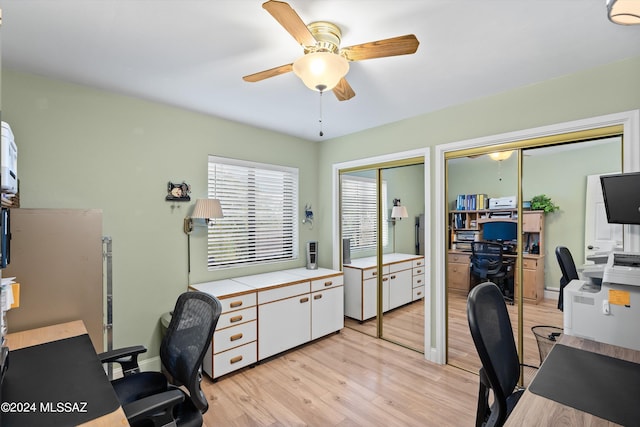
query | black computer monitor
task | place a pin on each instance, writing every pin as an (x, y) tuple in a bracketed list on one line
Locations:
[(500, 231), (621, 194)]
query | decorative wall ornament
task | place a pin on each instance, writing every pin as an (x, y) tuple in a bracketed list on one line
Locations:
[(178, 192)]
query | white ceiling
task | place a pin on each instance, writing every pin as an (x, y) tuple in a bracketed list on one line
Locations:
[(193, 53)]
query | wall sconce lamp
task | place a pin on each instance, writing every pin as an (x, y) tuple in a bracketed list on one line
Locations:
[(207, 209), (624, 12), (398, 211)]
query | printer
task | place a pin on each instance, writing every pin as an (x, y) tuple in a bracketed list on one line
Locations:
[(508, 202), (609, 311)]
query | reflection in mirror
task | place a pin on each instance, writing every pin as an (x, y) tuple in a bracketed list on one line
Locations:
[(403, 318), (358, 217), (472, 182), (559, 172), (403, 271)]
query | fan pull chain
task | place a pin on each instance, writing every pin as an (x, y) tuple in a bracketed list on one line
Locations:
[(320, 120)]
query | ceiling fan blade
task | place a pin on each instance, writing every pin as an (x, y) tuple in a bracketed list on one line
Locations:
[(290, 20), (256, 77), (402, 45), (343, 90)]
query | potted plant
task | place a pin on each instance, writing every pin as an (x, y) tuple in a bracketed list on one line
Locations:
[(542, 202)]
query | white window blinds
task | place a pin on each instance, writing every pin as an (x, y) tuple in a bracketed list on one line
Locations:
[(260, 221), (359, 212)]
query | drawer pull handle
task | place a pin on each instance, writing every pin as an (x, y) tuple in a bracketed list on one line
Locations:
[(235, 359), (374, 273), (235, 304), (303, 300), (318, 296), (235, 337), (328, 283), (419, 293), (393, 277), (419, 281), (235, 319), (419, 271), (419, 263), (384, 279)]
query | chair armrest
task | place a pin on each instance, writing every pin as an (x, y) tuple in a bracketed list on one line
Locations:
[(157, 407), (126, 357)]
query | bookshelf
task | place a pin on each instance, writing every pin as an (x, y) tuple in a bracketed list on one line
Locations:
[(466, 225)]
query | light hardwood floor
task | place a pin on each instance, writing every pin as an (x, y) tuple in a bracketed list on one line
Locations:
[(461, 351), (353, 379), (345, 379)]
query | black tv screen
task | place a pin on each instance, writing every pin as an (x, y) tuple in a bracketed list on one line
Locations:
[(621, 194)]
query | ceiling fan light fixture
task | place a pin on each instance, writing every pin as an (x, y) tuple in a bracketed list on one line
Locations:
[(501, 155), (624, 12), (321, 70)]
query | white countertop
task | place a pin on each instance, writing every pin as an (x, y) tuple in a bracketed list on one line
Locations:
[(219, 288), (256, 282), (372, 261)]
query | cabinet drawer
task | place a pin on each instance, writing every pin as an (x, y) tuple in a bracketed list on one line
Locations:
[(373, 272), (418, 263), (225, 339), (326, 283), (234, 359), (239, 302), (530, 263), (460, 258), (400, 266), (237, 317), (283, 292), (418, 270), (418, 280), (418, 293)]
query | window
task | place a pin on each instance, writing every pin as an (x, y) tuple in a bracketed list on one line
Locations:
[(259, 203), (359, 212)]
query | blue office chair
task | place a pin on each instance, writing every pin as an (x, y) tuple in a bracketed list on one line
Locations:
[(492, 335), (156, 399)]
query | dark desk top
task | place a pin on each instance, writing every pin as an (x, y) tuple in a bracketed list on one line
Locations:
[(537, 410), (56, 378)]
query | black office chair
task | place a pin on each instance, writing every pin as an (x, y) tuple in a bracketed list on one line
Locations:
[(487, 264), (153, 399), (493, 337), (568, 269)]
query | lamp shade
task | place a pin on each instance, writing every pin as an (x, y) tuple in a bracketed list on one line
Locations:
[(321, 70), (399, 212), (207, 208), (624, 12)]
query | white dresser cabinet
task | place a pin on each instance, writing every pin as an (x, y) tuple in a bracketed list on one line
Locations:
[(327, 306), (285, 318), (418, 272), (266, 314), (402, 283), (234, 344)]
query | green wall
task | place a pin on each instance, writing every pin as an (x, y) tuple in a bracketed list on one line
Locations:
[(86, 148)]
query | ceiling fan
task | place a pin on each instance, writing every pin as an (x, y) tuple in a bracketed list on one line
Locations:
[(324, 64)]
